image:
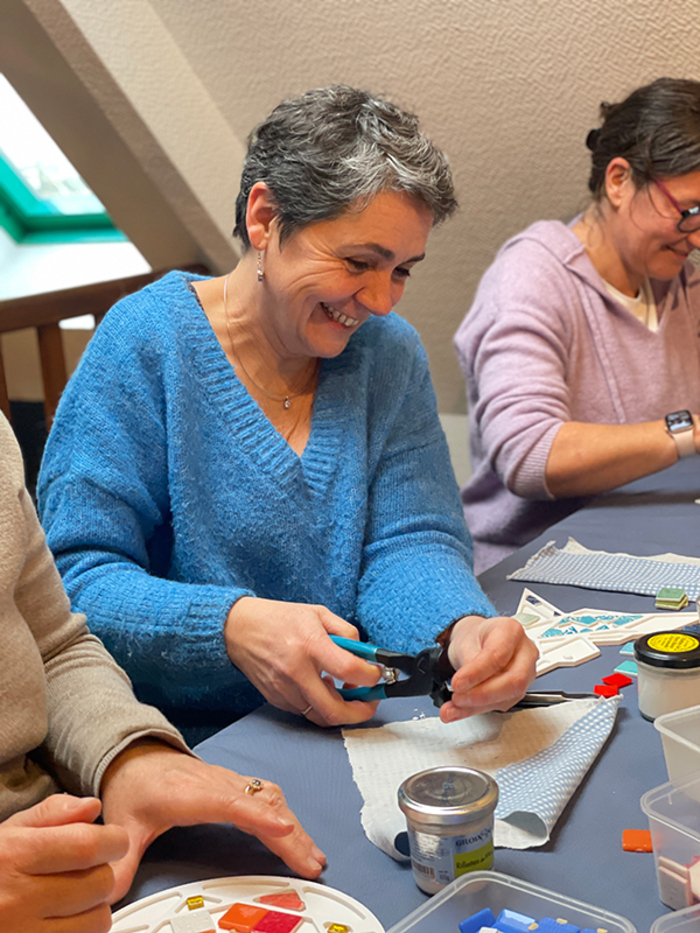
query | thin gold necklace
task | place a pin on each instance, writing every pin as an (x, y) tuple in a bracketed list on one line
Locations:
[(285, 399)]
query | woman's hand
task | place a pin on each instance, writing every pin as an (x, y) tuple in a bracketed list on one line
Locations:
[(151, 787), (494, 662), (283, 649), (55, 875)]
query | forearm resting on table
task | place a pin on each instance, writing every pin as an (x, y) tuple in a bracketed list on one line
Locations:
[(586, 459)]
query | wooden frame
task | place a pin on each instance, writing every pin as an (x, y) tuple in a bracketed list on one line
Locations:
[(43, 312)]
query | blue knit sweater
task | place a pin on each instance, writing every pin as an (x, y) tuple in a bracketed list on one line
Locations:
[(166, 495)]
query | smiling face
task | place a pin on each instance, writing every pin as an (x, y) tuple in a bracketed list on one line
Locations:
[(647, 236), (328, 278)]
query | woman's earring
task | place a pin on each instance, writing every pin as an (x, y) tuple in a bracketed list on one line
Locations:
[(261, 274)]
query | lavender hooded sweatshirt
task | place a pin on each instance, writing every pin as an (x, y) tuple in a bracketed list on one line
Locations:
[(545, 343)]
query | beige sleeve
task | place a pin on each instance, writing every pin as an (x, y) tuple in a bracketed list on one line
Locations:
[(92, 711)]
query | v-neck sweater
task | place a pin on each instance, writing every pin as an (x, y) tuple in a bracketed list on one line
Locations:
[(545, 343), (167, 495)]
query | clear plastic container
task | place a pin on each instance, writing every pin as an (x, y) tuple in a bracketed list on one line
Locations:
[(477, 890), (681, 921), (673, 810), (680, 734)]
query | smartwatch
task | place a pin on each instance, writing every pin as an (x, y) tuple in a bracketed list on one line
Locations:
[(679, 425)]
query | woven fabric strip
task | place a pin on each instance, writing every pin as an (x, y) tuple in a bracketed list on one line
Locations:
[(575, 565)]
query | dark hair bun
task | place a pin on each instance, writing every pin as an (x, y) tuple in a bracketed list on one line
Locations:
[(592, 139), (656, 129)]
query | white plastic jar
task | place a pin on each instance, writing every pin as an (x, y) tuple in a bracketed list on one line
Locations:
[(449, 814), (668, 672)]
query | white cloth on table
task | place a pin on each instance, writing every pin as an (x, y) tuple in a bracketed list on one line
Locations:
[(538, 758)]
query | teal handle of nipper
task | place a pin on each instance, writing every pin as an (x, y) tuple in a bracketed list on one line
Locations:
[(359, 648), (364, 693), (369, 653)]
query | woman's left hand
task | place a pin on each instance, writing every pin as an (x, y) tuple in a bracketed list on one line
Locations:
[(150, 787), (494, 662)]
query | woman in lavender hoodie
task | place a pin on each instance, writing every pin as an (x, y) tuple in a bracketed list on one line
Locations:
[(582, 348)]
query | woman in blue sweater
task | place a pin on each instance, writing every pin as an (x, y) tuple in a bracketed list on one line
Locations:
[(245, 464)]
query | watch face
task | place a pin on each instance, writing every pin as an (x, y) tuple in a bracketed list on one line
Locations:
[(679, 421)]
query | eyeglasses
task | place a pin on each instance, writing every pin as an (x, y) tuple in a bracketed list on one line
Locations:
[(690, 216)]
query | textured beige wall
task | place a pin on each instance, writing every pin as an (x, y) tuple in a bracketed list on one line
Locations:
[(508, 87)]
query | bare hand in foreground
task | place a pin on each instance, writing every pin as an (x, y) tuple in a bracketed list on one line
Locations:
[(283, 648), (494, 662), (55, 875), (150, 787)]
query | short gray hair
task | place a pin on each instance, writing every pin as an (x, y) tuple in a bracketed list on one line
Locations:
[(336, 146)]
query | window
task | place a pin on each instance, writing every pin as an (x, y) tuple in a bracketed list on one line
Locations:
[(42, 197)]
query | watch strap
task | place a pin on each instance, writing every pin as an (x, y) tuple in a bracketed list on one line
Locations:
[(685, 442)]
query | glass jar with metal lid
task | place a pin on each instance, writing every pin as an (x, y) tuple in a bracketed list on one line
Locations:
[(668, 672), (449, 813)]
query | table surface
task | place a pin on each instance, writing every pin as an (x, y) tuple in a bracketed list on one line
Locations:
[(583, 859)]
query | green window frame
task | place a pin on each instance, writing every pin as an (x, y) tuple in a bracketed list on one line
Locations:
[(28, 219)]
